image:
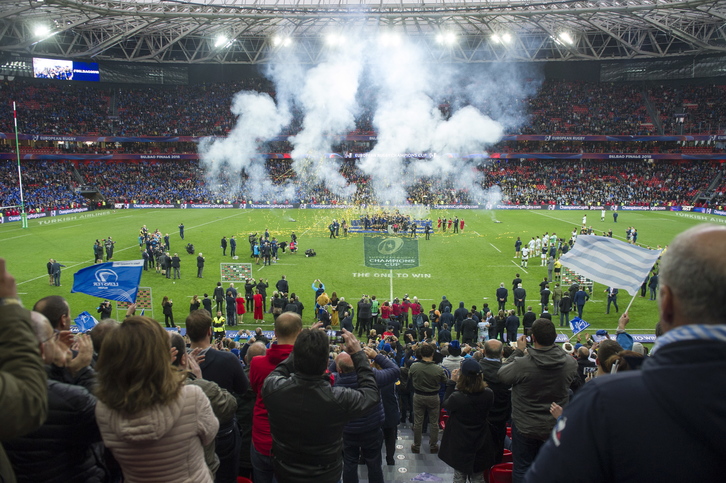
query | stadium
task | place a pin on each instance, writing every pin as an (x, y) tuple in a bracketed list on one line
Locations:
[(441, 131)]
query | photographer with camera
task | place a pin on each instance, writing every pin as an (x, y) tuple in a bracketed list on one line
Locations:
[(105, 310)]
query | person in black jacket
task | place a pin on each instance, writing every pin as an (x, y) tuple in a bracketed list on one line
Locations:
[(502, 295), (459, 316), (469, 330), (520, 297), (67, 447), (307, 444), (443, 304), (223, 245), (200, 265), (466, 444), (501, 410), (362, 437), (527, 320), (512, 325), (282, 286), (218, 296), (565, 308), (176, 265)]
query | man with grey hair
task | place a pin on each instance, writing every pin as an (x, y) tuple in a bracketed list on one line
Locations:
[(674, 394), (68, 441)]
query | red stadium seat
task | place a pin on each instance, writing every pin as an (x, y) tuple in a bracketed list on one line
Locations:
[(507, 457), (501, 473), (443, 417), (242, 479)]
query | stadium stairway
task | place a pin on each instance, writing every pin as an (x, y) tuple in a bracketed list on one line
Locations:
[(411, 467)]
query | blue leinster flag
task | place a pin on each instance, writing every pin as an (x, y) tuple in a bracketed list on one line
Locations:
[(113, 280), (85, 321), (578, 325)]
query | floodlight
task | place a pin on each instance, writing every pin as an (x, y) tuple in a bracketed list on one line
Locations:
[(389, 39), (507, 37), (566, 38), (334, 39), (41, 30), (280, 41), (446, 38), (220, 40)]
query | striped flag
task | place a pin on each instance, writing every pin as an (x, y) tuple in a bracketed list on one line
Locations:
[(611, 262)]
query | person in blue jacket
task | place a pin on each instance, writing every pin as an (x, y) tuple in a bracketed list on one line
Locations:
[(665, 422), (579, 300)]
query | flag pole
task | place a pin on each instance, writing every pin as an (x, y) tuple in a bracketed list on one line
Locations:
[(23, 214), (631, 302)]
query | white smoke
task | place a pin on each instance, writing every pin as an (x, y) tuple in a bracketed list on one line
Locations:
[(258, 119), (328, 100), (404, 92)]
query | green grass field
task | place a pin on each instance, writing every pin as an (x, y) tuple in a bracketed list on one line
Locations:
[(465, 267)]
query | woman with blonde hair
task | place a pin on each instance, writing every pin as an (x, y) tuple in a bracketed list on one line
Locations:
[(194, 304), (154, 425)]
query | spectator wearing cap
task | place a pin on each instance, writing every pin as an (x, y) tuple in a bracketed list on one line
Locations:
[(540, 377), (466, 443), (454, 359)]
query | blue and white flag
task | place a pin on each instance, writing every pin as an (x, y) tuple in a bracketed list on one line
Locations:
[(85, 321), (578, 325), (112, 280), (611, 262)]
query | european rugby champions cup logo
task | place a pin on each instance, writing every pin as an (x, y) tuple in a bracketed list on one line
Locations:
[(389, 246), (106, 278), (391, 253)]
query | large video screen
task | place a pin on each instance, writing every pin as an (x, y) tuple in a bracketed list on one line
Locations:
[(65, 70)]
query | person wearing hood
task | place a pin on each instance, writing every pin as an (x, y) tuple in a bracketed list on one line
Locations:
[(676, 393), (453, 360), (444, 303), (154, 425), (540, 377), (459, 316), (447, 317)]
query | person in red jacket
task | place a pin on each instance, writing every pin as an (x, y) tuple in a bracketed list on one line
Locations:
[(287, 327)]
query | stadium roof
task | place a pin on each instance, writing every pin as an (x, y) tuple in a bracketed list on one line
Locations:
[(254, 31)]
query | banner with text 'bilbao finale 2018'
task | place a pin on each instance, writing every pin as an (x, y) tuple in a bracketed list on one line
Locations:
[(390, 252)]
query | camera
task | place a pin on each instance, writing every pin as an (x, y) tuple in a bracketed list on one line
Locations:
[(336, 337), (589, 370)]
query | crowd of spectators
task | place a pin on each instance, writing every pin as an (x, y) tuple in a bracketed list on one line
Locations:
[(46, 185), (689, 109), (57, 184), (199, 110), (558, 106)]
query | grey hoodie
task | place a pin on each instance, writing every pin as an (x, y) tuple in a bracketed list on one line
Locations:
[(538, 379)]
